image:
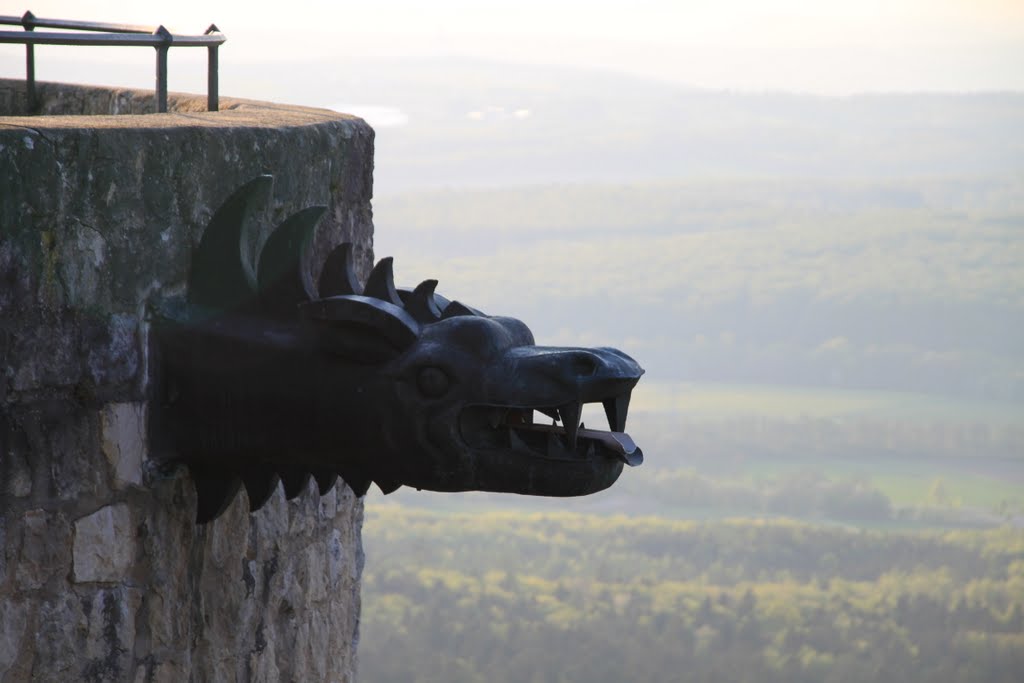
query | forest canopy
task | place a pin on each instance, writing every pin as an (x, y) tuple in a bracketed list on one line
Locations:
[(518, 596)]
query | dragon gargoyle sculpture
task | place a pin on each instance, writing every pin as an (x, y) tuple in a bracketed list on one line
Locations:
[(262, 377)]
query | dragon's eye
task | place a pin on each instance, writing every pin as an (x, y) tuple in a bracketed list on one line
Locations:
[(432, 382)]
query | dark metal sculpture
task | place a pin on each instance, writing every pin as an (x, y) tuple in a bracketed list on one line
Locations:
[(265, 378)]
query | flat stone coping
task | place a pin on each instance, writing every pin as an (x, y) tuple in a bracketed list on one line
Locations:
[(247, 115), (186, 110)]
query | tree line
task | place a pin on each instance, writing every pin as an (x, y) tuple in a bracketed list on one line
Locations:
[(560, 597)]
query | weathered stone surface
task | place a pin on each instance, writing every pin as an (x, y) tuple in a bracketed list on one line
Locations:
[(103, 574), (17, 477), (104, 544), (60, 625), (14, 632), (109, 634), (124, 440), (43, 550)]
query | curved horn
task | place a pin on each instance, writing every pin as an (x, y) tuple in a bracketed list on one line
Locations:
[(222, 271), (338, 277), (283, 273), (420, 302), (381, 283)]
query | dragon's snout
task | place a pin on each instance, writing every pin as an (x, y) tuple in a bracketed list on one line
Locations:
[(557, 383)]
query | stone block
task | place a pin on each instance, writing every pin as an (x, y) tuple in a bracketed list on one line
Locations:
[(13, 629), (57, 641), (104, 544), (113, 354), (45, 548), (123, 434), (109, 634)]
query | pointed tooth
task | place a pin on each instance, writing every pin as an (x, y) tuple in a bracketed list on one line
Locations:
[(294, 480), (260, 483), (214, 492), (615, 409), (356, 480), (325, 479), (387, 486), (570, 414)]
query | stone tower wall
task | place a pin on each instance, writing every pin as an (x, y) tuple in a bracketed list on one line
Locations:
[(103, 574)]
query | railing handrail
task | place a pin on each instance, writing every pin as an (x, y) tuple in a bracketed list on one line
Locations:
[(29, 21), (107, 39), (113, 35)]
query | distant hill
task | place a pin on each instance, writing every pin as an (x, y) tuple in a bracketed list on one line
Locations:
[(474, 123)]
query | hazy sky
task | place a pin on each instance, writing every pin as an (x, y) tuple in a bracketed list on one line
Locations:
[(820, 46)]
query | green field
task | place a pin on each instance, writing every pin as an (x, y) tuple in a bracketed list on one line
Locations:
[(914, 483)]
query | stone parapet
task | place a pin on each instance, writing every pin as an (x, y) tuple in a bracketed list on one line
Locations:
[(103, 574)]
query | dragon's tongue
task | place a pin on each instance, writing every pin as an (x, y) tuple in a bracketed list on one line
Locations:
[(619, 443)]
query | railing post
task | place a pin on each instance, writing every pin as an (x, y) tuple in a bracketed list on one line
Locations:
[(212, 80), (161, 69), (27, 22), (160, 39)]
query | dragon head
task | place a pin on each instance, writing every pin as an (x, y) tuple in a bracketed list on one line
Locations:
[(265, 377)]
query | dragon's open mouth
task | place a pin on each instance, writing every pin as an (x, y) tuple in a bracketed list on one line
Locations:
[(512, 427)]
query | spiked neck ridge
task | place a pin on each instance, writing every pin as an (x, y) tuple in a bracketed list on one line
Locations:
[(268, 376)]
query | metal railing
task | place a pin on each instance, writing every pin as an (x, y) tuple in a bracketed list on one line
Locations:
[(113, 34)]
